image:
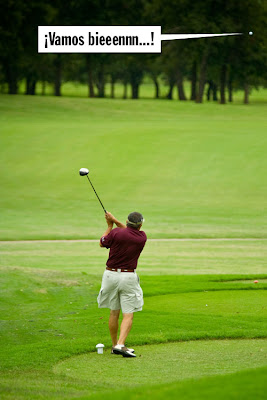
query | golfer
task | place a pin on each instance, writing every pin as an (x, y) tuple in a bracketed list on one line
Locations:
[(120, 289)]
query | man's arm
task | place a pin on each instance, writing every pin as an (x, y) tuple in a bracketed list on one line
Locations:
[(111, 218), (108, 230)]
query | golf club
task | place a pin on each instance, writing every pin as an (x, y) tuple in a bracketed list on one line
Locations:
[(85, 171)]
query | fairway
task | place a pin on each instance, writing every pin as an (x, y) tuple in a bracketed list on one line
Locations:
[(193, 170), (198, 174)]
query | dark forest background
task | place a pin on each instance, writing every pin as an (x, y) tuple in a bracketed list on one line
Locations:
[(222, 65)]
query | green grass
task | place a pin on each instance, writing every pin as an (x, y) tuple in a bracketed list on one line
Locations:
[(195, 171), (174, 361), (49, 316), (242, 385), (248, 384), (190, 257), (192, 170)]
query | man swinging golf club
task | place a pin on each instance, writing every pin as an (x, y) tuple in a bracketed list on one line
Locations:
[(120, 289)]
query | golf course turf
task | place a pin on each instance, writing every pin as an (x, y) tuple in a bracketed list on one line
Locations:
[(197, 173)]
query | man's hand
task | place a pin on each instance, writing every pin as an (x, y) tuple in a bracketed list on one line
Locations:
[(112, 220), (109, 218)]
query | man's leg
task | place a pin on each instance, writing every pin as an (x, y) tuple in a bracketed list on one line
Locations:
[(126, 326), (113, 324)]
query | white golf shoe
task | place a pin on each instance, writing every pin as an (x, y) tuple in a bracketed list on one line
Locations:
[(123, 350)]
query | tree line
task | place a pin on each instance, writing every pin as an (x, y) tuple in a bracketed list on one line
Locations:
[(221, 65)]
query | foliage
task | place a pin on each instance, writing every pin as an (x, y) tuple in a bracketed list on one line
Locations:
[(231, 62)]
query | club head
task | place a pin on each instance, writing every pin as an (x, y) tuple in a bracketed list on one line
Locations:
[(84, 171)]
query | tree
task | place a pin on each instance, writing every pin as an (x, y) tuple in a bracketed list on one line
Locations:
[(135, 70), (224, 63), (154, 70), (11, 48)]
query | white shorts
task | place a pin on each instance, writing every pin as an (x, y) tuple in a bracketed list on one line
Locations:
[(121, 290)]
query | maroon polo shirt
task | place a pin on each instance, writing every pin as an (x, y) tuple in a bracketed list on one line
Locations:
[(126, 245)]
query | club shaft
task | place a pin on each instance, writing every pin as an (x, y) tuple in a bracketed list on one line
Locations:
[(96, 194)]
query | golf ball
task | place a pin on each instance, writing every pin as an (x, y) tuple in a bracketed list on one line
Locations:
[(250, 33)]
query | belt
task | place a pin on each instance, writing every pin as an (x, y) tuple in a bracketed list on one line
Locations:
[(120, 269)]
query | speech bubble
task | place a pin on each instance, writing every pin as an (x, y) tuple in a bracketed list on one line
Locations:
[(108, 39)]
